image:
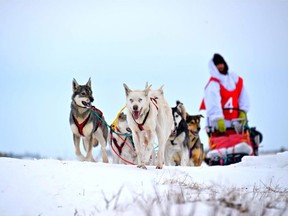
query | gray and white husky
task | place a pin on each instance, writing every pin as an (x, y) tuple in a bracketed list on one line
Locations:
[(85, 122)]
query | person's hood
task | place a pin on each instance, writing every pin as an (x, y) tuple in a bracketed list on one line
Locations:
[(214, 72), (218, 59), (228, 80)]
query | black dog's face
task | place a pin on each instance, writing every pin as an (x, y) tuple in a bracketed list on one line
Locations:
[(82, 94), (177, 116), (193, 123)]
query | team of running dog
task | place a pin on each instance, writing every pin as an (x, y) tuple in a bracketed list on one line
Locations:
[(132, 136), (148, 118)]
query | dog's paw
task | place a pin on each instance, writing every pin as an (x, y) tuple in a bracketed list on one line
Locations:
[(91, 159), (81, 157), (142, 166), (105, 160), (159, 166)]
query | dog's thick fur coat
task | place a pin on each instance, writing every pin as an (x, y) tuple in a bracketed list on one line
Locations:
[(177, 147), (196, 150), (85, 124), (148, 118)]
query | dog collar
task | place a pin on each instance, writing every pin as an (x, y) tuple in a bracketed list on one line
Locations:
[(140, 126)]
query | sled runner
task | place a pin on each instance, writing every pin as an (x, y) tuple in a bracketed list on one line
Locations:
[(229, 147)]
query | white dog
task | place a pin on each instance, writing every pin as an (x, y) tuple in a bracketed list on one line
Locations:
[(148, 118), (122, 147)]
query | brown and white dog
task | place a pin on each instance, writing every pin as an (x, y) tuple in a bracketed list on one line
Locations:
[(148, 118), (196, 150)]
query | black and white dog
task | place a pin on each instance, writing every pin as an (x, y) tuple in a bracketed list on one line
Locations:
[(177, 147)]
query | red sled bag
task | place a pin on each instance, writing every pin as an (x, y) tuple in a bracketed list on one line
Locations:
[(228, 148), (229, 140)]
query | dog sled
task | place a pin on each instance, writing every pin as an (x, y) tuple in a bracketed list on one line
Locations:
[(231, 146)]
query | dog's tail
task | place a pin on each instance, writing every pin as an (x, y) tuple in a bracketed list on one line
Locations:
[(182, 109)]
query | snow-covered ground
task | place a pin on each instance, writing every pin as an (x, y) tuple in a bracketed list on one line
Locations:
[(255, 186)]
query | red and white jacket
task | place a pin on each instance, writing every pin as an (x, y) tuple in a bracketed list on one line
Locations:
[(223, 91)]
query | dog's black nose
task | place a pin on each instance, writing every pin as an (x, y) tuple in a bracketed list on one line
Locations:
[(135, 107), (91, 99)]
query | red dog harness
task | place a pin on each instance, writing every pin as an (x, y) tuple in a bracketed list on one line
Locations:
[(119, 147), (140, 126), (82, 125)]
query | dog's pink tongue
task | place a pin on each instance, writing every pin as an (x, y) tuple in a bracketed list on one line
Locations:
[(136, 114)]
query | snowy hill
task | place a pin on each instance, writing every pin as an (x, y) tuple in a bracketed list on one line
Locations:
[(256, 186)]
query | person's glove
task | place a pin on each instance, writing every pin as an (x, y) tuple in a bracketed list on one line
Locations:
[(243, 116), (221, 126)]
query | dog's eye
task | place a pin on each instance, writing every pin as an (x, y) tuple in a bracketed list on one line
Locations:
[(140, 99), (128, 129), (176, 116), (131, 100), (83, 93)]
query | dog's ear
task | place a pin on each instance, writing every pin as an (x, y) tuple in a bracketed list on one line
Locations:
[(75, 85), (201, 116), (188, 117), (161, 89), (127, 90), (89, 82), (179, 104), (184, 115), (146, 85), (182, 109), (147, 89)]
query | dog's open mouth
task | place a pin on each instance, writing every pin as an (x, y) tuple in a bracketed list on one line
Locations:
[(136, 114), (86, 104), (195, 133)]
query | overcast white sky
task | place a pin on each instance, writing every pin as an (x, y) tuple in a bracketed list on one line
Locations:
[(45, 44)]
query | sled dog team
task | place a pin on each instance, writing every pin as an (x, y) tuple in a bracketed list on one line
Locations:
[(148, 119)]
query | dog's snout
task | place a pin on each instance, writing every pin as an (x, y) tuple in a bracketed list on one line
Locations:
[(135, 107)]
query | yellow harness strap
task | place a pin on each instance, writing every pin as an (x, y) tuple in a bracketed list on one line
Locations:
[(115, 122)]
